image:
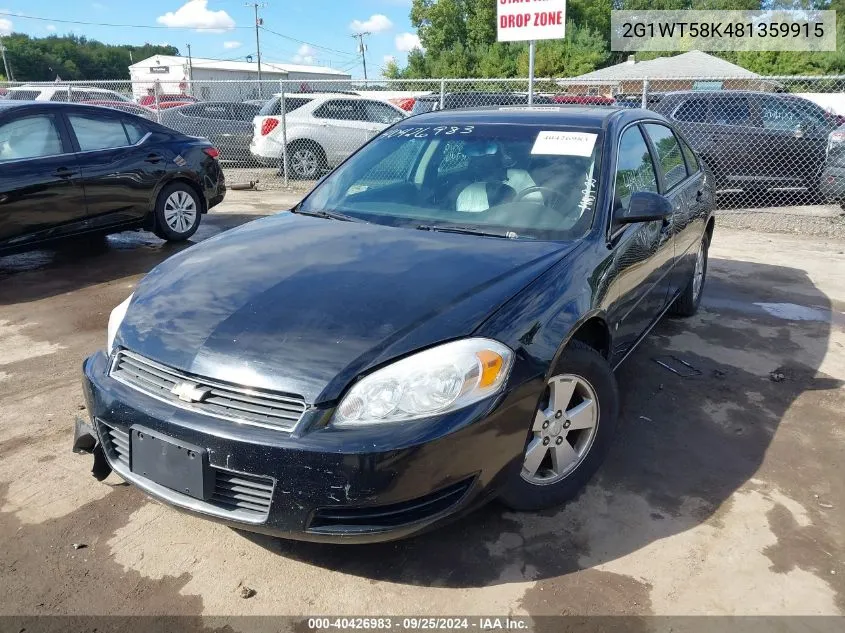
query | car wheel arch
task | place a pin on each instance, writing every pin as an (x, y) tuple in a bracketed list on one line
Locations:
[(592, 330)]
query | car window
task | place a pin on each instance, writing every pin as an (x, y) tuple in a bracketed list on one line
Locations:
[(245, 111), (670, 158), (60, 94), (134, 131), (527, 181), (341, 109), (730, 111), (30, 137), (94, 133), (692, 160), (777, 115), (692, 111), (381, 113), (23, 95), (219, 111), (634, 169), (274, 106)]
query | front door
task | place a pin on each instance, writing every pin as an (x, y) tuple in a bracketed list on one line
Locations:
[(40, 186), (641, 254), (341, 128)]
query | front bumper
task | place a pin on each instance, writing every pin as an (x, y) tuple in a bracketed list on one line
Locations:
[(324, 484)]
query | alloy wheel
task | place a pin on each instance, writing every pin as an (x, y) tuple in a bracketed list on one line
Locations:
[(180, 211), (563, 432), (304, 163)]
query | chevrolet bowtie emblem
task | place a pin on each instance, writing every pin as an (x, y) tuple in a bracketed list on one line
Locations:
[(190, 392)]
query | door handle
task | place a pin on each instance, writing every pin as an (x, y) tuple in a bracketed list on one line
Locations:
[(153, 158), (64, 172)]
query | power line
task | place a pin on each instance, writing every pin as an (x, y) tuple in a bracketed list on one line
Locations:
[(129, 26), (293, 39)]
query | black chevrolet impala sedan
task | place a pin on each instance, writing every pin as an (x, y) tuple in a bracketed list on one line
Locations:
[(436, 324)]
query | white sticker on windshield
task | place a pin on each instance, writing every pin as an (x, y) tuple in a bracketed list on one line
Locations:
[(564, 143)]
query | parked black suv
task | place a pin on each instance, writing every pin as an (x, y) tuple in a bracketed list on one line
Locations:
[(755, 141), (454, 100)]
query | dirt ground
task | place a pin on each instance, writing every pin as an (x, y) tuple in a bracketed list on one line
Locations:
[(723, 494)]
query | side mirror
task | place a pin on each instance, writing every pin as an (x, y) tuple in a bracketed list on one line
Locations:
[(646, 206)]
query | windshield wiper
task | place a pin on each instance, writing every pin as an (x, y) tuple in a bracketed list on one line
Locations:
[(328, 215), (468, 230)]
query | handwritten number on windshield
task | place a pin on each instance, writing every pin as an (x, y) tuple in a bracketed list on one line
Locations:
[(428, 131)]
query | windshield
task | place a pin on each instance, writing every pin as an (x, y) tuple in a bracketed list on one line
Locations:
[(521, 181)]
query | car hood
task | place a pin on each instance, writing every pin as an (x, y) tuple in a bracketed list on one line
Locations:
[(303, 305)]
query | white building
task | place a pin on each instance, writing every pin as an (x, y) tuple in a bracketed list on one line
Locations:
[(176, 76)]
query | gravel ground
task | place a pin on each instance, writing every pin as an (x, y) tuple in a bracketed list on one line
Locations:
[(723, 494)]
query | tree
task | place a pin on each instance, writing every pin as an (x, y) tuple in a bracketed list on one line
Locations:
[(73, 57)]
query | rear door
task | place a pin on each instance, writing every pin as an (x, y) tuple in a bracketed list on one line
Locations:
[(340, 128), (120, 168), (685, 190), (797, 141), (240, 129), (40, 183)]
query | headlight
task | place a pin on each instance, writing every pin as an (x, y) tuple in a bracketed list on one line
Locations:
[(115, 319), (438, 380)]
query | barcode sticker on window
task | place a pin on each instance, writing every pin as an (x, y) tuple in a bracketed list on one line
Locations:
[(564, 143)]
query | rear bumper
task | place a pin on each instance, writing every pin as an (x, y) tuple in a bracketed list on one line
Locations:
[(326, 484)]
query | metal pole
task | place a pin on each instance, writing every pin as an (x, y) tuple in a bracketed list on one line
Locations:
[(158, 103), (532, 46), (644, 101), (190, 71), (283, 105), (6, 62), (442, 94), (255, 6), (363, 50)]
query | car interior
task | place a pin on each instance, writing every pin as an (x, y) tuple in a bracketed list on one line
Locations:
[(479, 181)]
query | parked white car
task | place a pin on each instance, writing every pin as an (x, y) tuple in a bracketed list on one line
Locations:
[(322, 130), (58, 92)]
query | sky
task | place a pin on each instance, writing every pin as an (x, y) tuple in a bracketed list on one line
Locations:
[(311, 32)]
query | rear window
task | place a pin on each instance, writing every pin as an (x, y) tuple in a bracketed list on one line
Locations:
[(274, 106), (424, 105), (692, 111), (23, 95)]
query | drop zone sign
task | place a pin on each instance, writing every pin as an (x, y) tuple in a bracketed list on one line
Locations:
[(521, 20)]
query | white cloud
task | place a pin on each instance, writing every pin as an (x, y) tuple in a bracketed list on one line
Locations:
[(5, 26), (376, 24), (406, 42), (194, 14), (51, 28), (305, 55), (231, 45)]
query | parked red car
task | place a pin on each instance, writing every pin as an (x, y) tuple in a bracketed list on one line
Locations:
[(150, 100)]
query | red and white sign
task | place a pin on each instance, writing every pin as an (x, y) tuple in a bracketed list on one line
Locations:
[(521, 20)]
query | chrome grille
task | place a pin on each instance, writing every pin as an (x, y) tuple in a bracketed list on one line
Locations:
[(248, 406), (238, 491)]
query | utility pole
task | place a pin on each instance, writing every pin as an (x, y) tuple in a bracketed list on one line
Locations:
[(362, 48), (258, 23), (9, 75), (190, 64)]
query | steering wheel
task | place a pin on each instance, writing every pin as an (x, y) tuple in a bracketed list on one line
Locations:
[(552, 197)]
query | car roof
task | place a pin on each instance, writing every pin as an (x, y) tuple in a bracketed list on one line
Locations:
[(574, 115)]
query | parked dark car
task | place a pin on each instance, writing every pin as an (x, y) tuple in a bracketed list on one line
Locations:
[(435, 324), (124, 106), (754, 141), (478, 99), (68, 169), (227, 125)]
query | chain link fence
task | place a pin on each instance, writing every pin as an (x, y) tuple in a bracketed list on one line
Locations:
[(776, 145)]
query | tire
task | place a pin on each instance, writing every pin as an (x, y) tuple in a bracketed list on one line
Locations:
[(563, 472), (306, 160), (686, 304), (178, 212)]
